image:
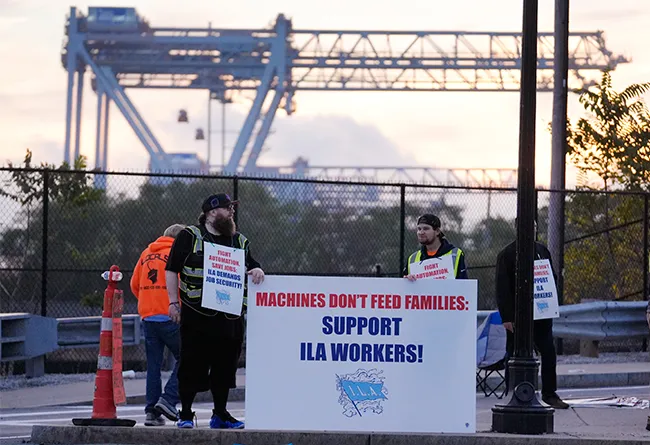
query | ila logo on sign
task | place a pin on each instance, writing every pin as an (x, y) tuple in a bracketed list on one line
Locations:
[(223, 297), (361, 392)]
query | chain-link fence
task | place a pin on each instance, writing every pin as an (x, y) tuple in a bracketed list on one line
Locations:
[(60, 230)]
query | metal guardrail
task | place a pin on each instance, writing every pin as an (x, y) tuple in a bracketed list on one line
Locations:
[(602, 320), (596, 321), (83, 332), (585, 321), (27, 337), (593, 321)]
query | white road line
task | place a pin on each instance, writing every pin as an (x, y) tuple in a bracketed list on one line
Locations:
[(610, 388), (42, 422), (78, 411), (89, 410), (68, 420), (39, 421), (14, 437)]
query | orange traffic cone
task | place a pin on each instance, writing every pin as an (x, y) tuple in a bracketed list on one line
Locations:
[(109, 386)]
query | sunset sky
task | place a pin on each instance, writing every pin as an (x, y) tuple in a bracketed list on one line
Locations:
[(468, 130)]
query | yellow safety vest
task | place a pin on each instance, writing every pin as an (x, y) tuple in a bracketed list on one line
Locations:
[(455, 258), (191, 276)]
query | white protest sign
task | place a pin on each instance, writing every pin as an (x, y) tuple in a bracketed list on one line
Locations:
[(361, 354), (545, 293), (441, 268), (224, 272)]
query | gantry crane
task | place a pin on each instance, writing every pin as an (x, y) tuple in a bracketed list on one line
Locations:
[(123, 51)]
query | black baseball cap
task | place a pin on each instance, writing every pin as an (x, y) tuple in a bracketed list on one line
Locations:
[(220, 200), (429, 219)]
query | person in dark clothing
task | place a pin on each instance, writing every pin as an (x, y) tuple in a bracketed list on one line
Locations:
[(542, 329), (434, 245), (211, 341)]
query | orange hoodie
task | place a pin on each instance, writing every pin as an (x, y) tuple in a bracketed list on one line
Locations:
[(148, 280)]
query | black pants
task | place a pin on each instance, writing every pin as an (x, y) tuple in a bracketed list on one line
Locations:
[(208, 360), (543, 341)]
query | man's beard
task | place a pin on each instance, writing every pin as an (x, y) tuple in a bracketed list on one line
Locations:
[(224, 226)]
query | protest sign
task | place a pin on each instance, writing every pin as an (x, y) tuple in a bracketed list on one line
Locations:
[(545, 293), (224, 272), (441, 268), (361, 354)]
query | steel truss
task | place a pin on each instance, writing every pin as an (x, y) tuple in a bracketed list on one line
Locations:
[(281, 61)]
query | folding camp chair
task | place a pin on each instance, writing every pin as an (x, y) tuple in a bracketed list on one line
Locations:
[(491, 357), (498, 385)]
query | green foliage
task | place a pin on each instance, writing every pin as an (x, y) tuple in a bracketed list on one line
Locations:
[(603, 264), (291, 232), (70, 189), (92, 300), (614, 141)]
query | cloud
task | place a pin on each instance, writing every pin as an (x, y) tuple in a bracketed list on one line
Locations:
[(322, 140), (12, 21), (7, 6), (330, 140), (614, 14)]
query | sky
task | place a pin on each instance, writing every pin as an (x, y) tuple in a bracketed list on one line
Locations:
[(429, 129)]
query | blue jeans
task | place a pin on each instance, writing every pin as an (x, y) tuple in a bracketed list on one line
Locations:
[(157, 336)]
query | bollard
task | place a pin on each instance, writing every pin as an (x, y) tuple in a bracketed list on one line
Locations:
[(109, 385)]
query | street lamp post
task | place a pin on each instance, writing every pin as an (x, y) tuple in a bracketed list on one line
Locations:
[(524, 414)]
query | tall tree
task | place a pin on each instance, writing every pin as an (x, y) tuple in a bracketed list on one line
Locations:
[(614, 141), (70, 194)]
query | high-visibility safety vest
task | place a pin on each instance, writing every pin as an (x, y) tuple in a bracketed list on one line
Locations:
[(455, 258), (191, 277)]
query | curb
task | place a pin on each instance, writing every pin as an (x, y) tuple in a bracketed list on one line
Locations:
[(569, 381), (73, 435)]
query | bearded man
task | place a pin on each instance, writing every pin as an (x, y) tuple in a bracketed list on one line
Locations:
[(434, 244), (211, 341)]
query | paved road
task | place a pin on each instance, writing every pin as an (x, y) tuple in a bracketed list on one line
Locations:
[(16, 425), (593, 422)]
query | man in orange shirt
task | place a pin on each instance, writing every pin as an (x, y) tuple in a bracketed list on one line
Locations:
[(149, 287)]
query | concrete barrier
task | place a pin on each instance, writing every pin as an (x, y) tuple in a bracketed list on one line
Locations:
[(71, 435)]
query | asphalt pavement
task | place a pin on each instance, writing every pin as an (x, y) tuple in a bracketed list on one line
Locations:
[(593, 422)]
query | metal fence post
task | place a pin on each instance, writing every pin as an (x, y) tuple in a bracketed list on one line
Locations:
[(46, 208), (561, 226), (646, 248), (645, 293), (537, 214), (235, 193), (402, 226)]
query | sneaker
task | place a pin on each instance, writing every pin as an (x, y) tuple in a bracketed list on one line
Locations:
[(187, 423), (555, 401), (167, 409), (153, 419), (225, 421)]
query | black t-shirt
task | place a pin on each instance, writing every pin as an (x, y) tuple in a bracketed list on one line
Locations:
[(182, 247)]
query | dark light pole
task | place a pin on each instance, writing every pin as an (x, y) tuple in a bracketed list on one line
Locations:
[(524, 414)]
